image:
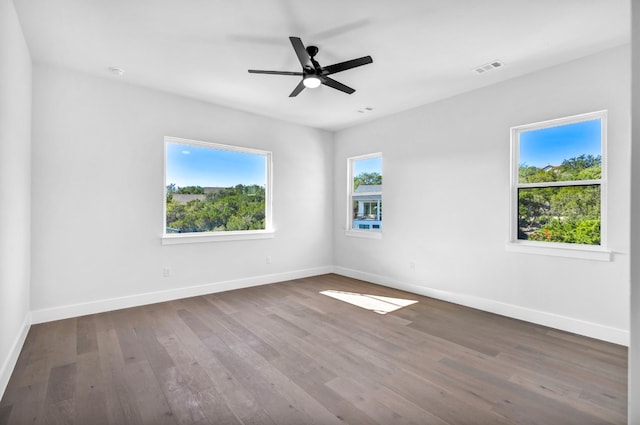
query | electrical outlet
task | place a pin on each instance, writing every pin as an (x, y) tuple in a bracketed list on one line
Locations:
[(412, 265), (166, 272), (268, 259)]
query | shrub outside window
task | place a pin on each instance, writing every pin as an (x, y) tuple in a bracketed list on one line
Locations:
[(558, 182)]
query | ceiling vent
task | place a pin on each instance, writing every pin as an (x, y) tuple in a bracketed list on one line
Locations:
[(488, 67), (116, 71)]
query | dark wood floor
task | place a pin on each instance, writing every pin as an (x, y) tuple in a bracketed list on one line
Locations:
[(285, 354)]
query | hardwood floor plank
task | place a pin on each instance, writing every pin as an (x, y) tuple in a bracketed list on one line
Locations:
[(151, 402), (445, 402), (565, 393), (188, 351), (520, 403), (314, 383), (258, 345), (5, 413), (64, 343), (155, 353), (60, 413), (130, 346), (62, 383), (86, 339), (287, 354), (571, 374), (383, 408), (60, 399), (217, 411), (121, 404), (38, 357), (233, 356), (184, 402), (302, 369), (90, 403), (27, 403)]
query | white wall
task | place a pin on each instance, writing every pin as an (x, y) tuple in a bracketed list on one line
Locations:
[(634, 348), (15, 195), (446, 201), (98, 196)]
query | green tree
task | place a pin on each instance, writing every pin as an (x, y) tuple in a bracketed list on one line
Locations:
[(571, 168), (367, 179), (531, 174), (190, 190), (569, 214), (235, 208)]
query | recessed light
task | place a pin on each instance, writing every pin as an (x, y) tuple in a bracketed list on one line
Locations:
[(117, 71)]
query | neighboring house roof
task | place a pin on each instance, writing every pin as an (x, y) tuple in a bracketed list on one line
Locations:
[(183, 198), (550, 167), (368, 192), (368, 188), (208, 190)]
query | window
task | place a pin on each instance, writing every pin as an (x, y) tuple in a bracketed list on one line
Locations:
[(364, 215), (558, 183), (215, 191)]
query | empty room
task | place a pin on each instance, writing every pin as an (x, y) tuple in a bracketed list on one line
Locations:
[(295, 212)]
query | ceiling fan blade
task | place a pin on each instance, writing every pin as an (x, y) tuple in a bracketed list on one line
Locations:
[(301, 52), (343, 66), (258, 71), (298, 89), (336, 85)]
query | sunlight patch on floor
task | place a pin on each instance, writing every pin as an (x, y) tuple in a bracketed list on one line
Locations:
[(375, 303)]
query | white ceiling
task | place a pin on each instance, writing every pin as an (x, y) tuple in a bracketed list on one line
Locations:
[(423, 50)]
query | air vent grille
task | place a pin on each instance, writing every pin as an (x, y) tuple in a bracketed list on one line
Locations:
[(488, 67)]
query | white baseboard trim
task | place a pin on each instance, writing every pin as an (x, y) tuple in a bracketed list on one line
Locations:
[(10, 362), (569, 324), (93, 307)]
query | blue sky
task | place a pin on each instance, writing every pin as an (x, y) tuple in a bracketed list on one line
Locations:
[(367, 166), (555, 144), (190, 165)]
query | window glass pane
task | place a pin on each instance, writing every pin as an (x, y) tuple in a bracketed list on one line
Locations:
[(561, 153), (367, 172), (367, 193), (210, 189), (569, 214)]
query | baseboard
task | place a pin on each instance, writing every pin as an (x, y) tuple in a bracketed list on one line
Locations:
[(10, 362), (569, 324), (82, 309)]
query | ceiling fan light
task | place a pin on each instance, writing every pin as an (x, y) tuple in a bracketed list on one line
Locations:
[(311, 81)]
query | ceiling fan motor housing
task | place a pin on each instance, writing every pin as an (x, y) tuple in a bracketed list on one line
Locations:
[(312, 50)]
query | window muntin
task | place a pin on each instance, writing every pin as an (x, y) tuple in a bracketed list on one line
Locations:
[(215, 189), (558, 184), (365, 193)]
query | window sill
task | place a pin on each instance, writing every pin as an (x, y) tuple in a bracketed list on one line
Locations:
[(557, 250), (183, 238), (365, 234)]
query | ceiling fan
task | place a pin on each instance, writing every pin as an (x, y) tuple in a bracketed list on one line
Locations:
[(312, 73)]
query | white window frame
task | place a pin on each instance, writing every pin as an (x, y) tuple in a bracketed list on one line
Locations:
[(592, 252), (349, 229), (200, 237)]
